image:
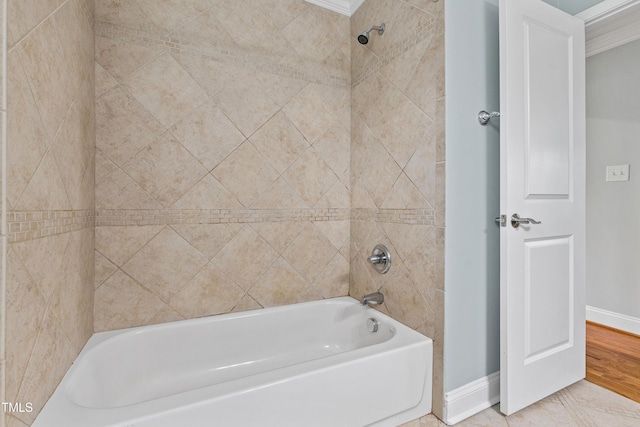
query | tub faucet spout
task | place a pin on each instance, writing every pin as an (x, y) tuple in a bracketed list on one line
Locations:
[(373, 299)]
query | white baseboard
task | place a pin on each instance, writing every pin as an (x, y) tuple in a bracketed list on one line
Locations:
[(614, 320), (471, 398)]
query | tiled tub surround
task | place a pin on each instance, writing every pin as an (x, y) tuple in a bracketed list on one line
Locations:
[(50, 195), (397, 163), (222, 157)]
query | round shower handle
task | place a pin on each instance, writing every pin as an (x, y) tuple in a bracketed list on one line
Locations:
[(380, 259)]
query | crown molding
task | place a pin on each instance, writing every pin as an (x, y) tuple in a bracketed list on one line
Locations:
[(344, 7), (610, 24)]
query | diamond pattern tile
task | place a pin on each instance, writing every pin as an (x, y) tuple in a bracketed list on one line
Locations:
[(165, 264), (246, 174), (209, 292), (279, 142), (165, 89), (233, 258), (208, 134), (311, 177), (165, 169)]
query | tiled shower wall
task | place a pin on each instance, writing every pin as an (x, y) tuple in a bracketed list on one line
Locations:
[(222, 157), (397, 163), (49, 197)]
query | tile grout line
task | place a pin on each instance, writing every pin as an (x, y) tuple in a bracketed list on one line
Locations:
[(575, 410)]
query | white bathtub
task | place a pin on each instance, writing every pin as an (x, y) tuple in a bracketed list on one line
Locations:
[(309, 364)]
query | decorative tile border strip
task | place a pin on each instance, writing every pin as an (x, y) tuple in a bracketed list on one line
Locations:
[(423, 32), (239, 58), (398, 216), (132, 217), (33, 225)]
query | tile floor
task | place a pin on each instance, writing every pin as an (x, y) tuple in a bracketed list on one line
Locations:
[(582, 404)]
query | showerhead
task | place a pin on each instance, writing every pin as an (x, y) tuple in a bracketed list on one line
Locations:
[(363, 38)]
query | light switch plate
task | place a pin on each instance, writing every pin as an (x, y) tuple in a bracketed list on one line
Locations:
[(617, 173)]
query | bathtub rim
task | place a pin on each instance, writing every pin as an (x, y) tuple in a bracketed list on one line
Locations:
[(403, 338)]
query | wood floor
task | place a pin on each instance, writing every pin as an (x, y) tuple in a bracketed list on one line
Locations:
[(613, 360)]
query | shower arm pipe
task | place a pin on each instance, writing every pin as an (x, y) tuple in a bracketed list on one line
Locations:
[(378, 28)]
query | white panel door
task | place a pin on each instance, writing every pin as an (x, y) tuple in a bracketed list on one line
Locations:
[(542, 155)]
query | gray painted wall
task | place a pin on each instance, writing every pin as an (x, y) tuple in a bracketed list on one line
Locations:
[(613, 219), (472, 247)]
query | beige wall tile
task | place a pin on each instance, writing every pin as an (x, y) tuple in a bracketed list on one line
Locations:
[(333, 281), (49, 361), (72, 25), (246, 245), (24, 15), (208, 135), (73, 147), (404, 195), (283, 12), (315, 109), (212, 75), (206, 30), (170, 15), (27, 138), (50, 162), (46, 189), (119, 244), (334, 148), (279, 142), (280, 195), (103, 269), (208, 193), (25, 310), (337, 196), (245, 174), (246, 303), (43, 259), (165, 170), (311, 177), (121, 302), (279, 234), (165, 264), (72, 301), (121, 59), (252, 29), (104, 80), (246, 102), (281, 284), (165, 314), (118, 191), (315, 34), (209, 292), (164, 88), (123, 126), (50, 77), (123, 12), (303, 253), (208, 239)]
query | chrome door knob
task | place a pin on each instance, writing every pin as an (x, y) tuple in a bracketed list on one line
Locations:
[(516, 221)]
